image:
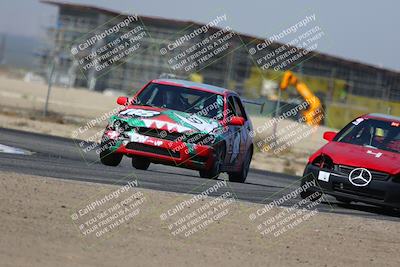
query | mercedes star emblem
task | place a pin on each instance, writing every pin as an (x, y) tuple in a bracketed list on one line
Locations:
[(360, 177)]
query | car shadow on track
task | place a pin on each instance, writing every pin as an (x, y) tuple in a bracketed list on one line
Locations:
[(219, 179), (265, 185), (175, 173)]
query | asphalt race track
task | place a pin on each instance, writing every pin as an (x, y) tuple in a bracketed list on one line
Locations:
[(60, 158)]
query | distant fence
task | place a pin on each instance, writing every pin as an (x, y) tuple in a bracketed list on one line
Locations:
[(337, 114)]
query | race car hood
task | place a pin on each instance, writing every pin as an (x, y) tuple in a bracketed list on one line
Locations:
[(166, 119), (363, 157)]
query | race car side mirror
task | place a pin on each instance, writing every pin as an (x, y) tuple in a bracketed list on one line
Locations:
[(236, 121), (122, 100), (328, 136)]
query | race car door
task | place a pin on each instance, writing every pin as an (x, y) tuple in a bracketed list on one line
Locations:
[(243, 130), (237, 135)]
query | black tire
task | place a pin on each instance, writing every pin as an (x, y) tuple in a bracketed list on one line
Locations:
[(140, 163), (109, 158), (309, 192), (219, 158), (240, 177)]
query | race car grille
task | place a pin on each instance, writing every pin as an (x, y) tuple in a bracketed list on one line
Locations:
[(152, 149), (377, 176), (171, 136), (359, 191)]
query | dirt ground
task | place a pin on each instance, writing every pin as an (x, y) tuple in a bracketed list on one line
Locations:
[(21, 106), (37, 230)]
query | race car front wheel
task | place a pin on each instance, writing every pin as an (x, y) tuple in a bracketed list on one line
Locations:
[(109, 158), (140, 163), (218, 160)]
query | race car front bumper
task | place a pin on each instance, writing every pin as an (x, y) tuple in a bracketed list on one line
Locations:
[(381, 191), (175, 153)]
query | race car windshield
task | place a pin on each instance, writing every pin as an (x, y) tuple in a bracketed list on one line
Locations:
[(372, 133), (182, 99)]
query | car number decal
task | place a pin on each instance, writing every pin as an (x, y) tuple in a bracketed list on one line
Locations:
[(139, 113), (199, 123)]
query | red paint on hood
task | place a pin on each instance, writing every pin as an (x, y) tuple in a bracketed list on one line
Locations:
[(358, 156)]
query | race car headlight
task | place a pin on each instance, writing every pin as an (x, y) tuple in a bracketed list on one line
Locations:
[(113, 125), (120, 126)]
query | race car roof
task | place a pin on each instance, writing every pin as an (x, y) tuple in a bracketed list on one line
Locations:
[(190, 84), (383, 116)]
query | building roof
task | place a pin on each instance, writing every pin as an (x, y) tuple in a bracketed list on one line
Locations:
[(184, 23), (190, 84)]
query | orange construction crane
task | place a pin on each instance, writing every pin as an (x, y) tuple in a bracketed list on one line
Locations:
[(312, 113)]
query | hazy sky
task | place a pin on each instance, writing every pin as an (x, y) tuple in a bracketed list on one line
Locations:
[(366, 31)]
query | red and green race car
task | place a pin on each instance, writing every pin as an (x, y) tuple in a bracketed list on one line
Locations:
[(184, 124)]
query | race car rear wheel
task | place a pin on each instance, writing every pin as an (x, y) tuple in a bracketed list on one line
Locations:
[(109, 158), (140, 163), (240, 177), (218, 160)]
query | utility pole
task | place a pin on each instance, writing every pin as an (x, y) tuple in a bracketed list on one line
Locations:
[(50, 83), (54, 61)]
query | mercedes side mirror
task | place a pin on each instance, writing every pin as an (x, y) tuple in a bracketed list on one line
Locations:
[(328, 136)]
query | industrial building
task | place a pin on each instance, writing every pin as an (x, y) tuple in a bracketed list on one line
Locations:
[(231, 71)]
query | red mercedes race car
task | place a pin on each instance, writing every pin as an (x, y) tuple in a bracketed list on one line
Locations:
[(360, 163), (181, 123)]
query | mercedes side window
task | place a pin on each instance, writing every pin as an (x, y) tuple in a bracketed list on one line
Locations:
[(239, 108)]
